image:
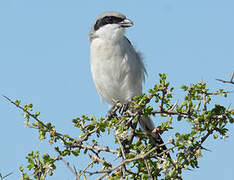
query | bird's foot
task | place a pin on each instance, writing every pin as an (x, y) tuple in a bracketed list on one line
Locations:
[(124, 107)]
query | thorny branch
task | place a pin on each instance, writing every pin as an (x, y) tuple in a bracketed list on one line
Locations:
[(136, 156)]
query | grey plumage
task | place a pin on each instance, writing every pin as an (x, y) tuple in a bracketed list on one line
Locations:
[(117, 69)]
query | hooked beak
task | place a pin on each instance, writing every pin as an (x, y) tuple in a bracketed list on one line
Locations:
[(126, 23)]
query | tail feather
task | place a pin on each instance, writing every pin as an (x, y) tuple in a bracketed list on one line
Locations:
[(147, 125)]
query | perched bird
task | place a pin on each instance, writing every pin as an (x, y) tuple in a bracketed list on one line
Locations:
[(117, 69)]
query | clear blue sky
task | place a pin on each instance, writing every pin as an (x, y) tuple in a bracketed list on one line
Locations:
[(44, 60)]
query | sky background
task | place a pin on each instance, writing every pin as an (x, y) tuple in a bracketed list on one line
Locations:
[(44, 60)]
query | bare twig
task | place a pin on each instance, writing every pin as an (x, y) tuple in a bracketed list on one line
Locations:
[(230, 81), (3, 177), (173, 106), (217, 92), (67, 164), (84, 170)]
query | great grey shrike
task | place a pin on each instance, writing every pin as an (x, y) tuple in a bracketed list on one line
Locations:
[(117, 69)]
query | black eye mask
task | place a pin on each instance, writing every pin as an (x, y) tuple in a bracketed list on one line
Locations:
[(107, 20)]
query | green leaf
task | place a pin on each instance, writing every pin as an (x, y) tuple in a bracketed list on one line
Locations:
[(215, 136)]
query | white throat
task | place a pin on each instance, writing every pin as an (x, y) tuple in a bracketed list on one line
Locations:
[(113, 32)]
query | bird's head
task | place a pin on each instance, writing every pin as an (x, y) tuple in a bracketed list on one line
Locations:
[(110, 25)]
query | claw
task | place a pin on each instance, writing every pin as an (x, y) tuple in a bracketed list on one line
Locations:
[(114, 108), (123, 108)]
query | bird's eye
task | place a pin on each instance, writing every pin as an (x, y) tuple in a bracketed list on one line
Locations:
[(108, 20)]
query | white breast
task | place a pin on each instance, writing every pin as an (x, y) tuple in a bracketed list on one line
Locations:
[(116, 69)]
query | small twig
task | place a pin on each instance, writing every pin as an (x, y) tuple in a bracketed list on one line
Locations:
[(123, 155), (121, 147), (205, 137), (230, 81), (95, 158), (85, 169), (169, 112), (61, 136), (143, 156), (190, 151), (3, 177), (173, 106), (217, 92), (98, 148), (164, 92), (67, 164), (148, 169)]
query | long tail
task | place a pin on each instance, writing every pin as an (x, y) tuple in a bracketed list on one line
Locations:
[(147, 125)]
